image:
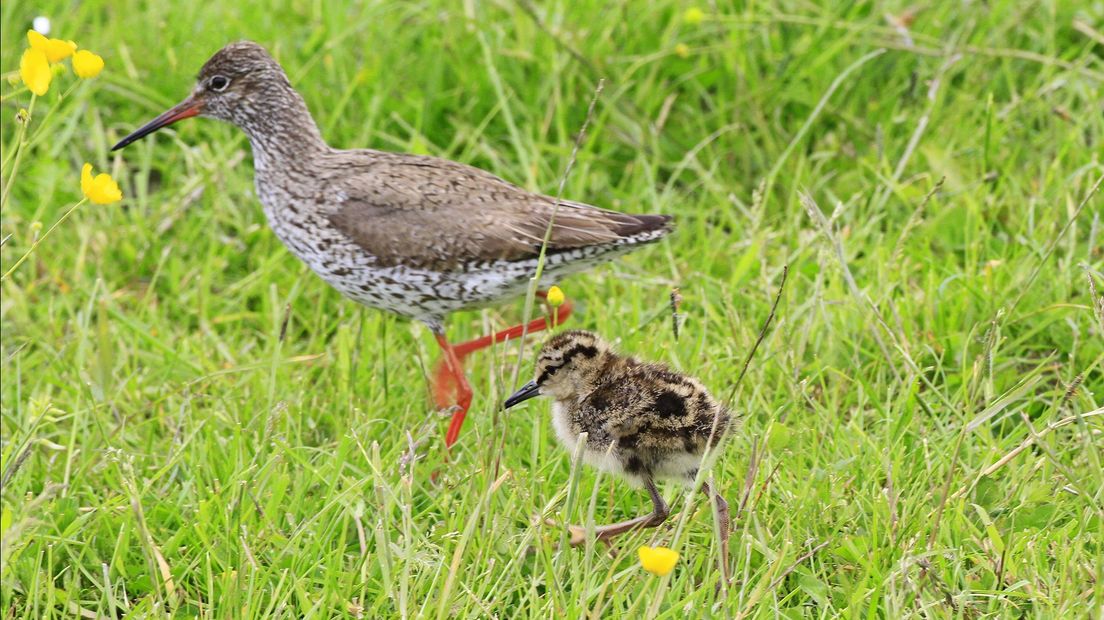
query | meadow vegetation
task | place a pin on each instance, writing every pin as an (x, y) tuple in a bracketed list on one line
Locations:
[(196, 425)]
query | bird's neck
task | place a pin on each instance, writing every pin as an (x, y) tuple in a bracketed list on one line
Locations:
[(284, 134)]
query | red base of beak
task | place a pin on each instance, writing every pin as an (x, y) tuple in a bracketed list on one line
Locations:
[(185, 109)]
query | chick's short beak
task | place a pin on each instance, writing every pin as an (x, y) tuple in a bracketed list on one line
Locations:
[(188, 108), (527, 391)]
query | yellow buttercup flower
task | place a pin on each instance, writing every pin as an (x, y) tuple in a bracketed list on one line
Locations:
[(102, 189), (658, 561), (86, 64), (555, 297), (693, 16), (56, 50), (682, 50), (34, 70)]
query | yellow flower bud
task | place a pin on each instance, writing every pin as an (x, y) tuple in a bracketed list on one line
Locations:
[(34, 70), (55, 50), (86, 64), (693, 16), (682, 50), (555, 297), (102, 189), (658, 561)]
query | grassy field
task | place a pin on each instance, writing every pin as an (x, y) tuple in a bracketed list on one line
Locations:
[(921, 427)]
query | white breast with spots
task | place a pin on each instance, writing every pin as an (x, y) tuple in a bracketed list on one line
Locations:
[(601, 457), (422, 294)]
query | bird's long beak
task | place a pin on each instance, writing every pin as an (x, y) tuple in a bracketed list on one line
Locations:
[(185, 109), (527, 391)]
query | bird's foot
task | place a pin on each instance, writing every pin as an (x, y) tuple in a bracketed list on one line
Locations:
[(449, 410), (577, 536), (576, 533)]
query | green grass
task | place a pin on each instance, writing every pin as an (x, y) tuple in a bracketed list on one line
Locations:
[(165, 453)]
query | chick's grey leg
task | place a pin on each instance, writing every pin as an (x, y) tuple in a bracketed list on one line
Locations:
[(721, 511), (659, 514)]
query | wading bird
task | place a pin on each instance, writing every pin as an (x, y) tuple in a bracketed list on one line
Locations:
[(418, 236)]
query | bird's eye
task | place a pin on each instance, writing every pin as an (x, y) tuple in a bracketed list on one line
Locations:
[(550, 368), (218, 83)]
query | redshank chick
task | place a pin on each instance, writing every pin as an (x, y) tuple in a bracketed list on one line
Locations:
[(417, 236), (642, 421)]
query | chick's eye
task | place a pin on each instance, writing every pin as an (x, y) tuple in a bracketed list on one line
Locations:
[(218, 83), (547, 371)]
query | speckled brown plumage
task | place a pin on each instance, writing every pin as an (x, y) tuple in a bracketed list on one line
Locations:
[(642, 421), (418, 236)]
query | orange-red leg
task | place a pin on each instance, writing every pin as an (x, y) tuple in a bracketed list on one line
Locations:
[(449, 378), (464, 392)]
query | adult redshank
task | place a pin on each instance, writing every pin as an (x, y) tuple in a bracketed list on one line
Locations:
[(418, 236)]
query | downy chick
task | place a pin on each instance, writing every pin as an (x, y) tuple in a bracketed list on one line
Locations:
[(643, 421)]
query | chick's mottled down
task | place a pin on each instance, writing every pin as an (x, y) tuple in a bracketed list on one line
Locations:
[(658, 422), (642, 421)]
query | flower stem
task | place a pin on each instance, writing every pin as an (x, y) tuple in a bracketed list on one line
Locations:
[(44, 124), (14, 93), (41, 239), (20, 143)]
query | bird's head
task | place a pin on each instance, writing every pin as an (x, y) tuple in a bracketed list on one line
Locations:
[(240, 84), (571, 363)]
